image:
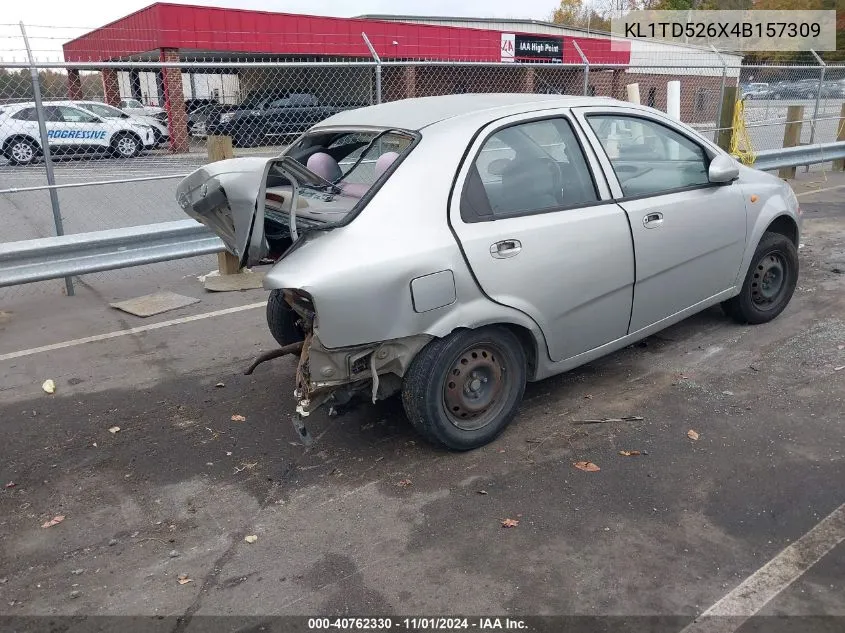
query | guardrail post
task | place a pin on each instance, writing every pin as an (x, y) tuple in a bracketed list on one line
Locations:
[(724, 133), (792, 135), (45, 148), (839, 165)]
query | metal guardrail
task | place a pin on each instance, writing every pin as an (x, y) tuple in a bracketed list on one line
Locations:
[(797, 156), (81, 253), (68, 255)]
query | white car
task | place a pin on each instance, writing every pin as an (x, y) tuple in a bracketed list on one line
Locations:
[(160, 132), (70, 130), (134, 107)]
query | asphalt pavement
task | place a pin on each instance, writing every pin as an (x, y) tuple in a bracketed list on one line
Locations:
[(371, 520)]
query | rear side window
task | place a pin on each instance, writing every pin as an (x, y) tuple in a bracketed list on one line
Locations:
[(27, 114), (527, 168)]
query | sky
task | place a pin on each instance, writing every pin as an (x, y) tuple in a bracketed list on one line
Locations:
[(52, 22)]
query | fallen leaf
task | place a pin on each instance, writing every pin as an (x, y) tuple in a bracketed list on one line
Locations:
[(238, 418), (49, 386), (629, 453), (482, 492), (114, 429), (11, 484), (54, 521), (183, 579), (840, 347), (693, 435), (501, 450), (251, 538), (404, 483), (220, 385), (588, 467), (510, 523), (840, 368), (588, 396)]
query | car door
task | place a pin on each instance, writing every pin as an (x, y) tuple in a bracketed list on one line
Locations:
[(87, 132), (542, 234), (689, 234)]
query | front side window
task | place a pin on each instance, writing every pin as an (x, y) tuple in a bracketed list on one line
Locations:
[(649, 157), (527, 168), (131, 103), (103, 110)]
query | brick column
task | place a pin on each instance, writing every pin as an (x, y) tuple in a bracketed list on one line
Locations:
[(527, 79), (174, 103), (410, 76), (74, 85), (111, 87)]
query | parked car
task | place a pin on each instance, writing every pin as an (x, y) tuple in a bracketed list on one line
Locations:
[(195, 104), (268, 114), (833, 89), (803, 89), (136, 108), (756, 91), (198, 117), (161, 136), (70, 130), (452, 248)]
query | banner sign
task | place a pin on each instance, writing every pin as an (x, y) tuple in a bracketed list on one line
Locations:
[(531, 48)]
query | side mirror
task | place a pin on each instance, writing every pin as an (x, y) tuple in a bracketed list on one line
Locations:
[(723, 169)]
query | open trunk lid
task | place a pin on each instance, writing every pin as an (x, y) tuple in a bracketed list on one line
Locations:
[(223, 196)]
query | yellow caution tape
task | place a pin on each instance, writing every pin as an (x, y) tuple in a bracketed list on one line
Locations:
[(741, 147)]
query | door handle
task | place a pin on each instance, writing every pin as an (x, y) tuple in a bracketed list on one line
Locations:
[(653, 220), (505, 248)]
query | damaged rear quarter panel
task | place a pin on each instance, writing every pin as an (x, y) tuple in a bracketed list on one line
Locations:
[(359, 275)]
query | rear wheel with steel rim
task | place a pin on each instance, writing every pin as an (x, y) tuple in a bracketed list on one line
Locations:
[(461, 391), (126, 145), (769, 283), (21, 151)]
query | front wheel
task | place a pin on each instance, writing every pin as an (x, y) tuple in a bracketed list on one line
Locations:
[(769, 283), (126, 146), (461, 391)]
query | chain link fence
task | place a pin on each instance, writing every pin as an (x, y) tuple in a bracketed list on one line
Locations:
[(120, 135)]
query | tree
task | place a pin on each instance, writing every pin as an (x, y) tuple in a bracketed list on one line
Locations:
[(574, 13)]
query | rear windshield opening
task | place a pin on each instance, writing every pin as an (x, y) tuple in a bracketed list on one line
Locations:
[(347, 165)]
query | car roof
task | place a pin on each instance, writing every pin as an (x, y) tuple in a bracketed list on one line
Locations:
[(420, 112)]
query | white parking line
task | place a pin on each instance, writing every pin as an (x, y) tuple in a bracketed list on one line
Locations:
[(807, 193), (134, 330), (729, 613)]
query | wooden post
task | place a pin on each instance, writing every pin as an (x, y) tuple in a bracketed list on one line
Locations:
[(220, 148), (726, 119), (839, 165), (792, 135)]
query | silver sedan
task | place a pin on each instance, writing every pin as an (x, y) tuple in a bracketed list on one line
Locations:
[(452, 248)]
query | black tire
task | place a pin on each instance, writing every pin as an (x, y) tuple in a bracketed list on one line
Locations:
[(122, 142), (442, 411), (21, 151), (282, 320), (769, 283)]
